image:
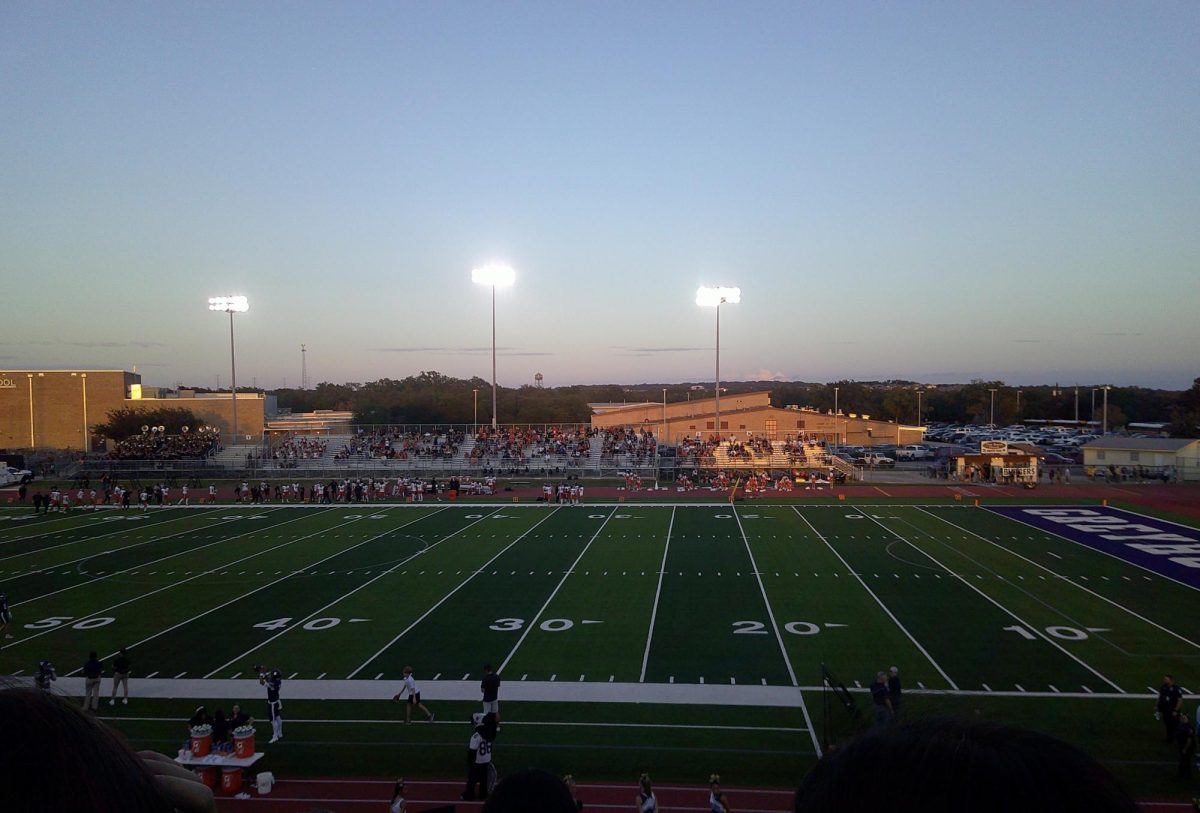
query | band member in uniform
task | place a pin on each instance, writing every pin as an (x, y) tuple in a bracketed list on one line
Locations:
[(273, 680), (414, 697)]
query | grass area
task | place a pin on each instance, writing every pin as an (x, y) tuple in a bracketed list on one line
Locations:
[(643, 595)]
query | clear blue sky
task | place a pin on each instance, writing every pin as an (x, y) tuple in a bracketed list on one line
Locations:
[(935, 191)]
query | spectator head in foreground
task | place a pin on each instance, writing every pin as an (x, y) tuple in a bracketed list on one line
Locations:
[(54, 757), (530, 791), (948, 765)]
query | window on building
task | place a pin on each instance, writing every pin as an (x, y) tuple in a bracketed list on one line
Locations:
[(772, 427)]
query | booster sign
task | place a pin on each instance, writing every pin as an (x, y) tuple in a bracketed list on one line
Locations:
[(1164, 547)]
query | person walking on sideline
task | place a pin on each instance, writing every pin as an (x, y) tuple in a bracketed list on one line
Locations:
[(1170, 699), (882, 700), (481, 771), (1185, 738), (490, 686), (120, 678), (5, 615), (93, 670), (414, 697), (894, 689), (273, 680), (44, 675)]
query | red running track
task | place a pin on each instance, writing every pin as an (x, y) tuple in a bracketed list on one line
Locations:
[(361, 795)]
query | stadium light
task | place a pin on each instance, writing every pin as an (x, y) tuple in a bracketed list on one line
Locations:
[(714, 298), (496, 275), (231, 305)]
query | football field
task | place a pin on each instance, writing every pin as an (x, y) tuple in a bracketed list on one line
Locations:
[(736, 605)]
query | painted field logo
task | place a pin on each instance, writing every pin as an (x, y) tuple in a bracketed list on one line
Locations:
[(1167, 548), (7, 384)]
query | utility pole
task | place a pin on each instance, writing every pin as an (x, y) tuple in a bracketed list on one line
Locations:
[(303, 367)]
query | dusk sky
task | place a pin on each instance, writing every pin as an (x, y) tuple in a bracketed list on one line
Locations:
[(930, 191)]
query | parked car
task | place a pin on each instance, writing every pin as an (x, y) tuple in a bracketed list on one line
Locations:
[(914, 451), (874, 459)]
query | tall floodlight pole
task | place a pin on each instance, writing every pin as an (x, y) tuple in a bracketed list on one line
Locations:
[(1092, 419), (664, 437), (837, 430), (1018, 405), (918, 407), (231, 305), (1077, 405), (303, 367), (497, 276), (992, 413), (87, 441), (1104, 426), (475, 423), (32, 442), (715, 298)]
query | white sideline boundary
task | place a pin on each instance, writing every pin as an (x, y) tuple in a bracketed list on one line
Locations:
[(685, 694)]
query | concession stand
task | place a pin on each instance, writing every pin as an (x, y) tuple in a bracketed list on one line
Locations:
[(996, 463)]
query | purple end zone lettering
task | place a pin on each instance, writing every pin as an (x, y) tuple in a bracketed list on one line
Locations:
[(1163, 547)]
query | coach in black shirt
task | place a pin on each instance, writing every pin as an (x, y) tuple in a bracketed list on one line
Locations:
[(490, 686), (1170, 700)]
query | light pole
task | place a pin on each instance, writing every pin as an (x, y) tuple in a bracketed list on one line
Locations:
[(992, 413), (1018, 406), (1104, 426), (87, 441), (918, 408), (231, 305), (32, 442), (497, 276), (836, 426), (475, 423), (1076, 405), (715, 298), (665, 415), (1093, 417)]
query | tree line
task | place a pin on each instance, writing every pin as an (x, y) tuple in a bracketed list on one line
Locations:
[(431, 397)]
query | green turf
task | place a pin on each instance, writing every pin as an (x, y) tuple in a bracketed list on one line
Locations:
[(762, 594)]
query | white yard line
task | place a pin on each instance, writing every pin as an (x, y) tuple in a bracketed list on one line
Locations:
[(1065, 578), (1000, 606), (285, 577), (91, 556), (778, 635), (878, 601), (213, 570), (443, 599), (341, 598), (658, 592), (117, 527), (561, 582)]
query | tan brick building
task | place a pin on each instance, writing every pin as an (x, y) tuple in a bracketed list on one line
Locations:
[(54, 409), (747, 413)]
